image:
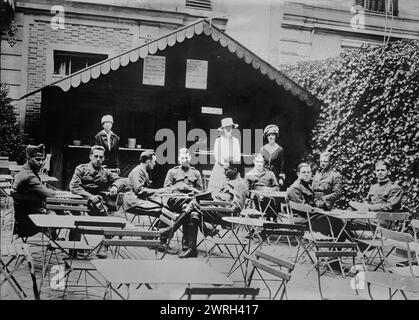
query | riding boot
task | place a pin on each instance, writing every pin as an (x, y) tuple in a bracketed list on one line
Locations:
[(193, 234)]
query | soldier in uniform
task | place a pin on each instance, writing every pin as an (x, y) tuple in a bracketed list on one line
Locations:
[(385, 195), (91, 180), (138, 202), (182, 179), (234, 190), (260, 178), (300, 191), (327, 184), (29, 192)]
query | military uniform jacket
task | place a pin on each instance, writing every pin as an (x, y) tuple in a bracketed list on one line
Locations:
[(385, 196), (256, 180), (29, 198), (140, 182), (327, 185), (111, 155), (87, 181), (300, 192), (180, 179), (233, 190)]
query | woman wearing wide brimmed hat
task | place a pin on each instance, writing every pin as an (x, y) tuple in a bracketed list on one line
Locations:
[(226, 148), (273, 153)]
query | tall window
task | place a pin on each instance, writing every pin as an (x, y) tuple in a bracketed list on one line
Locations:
[(198, 4), (67, 62), (379, 6)]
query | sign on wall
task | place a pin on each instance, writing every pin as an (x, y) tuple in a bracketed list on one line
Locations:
[(154, 70), (196, 74), (210, 110)]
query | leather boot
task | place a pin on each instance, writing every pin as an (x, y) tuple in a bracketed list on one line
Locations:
[(185, 238), (193, 234)]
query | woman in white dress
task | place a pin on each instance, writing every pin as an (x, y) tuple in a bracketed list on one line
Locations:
[(226, 148)]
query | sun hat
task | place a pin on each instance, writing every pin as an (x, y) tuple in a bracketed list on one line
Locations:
[(228, 122)]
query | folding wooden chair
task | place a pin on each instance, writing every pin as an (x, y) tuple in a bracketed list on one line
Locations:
[(237, 292), (331, 252), (17, 253), (310, 236), (224, 208), (396, 278), (123, 244), (83, 264), (371, 241), (119, 242), (280, 230), (73, 206), (263, 264), (139, 213)]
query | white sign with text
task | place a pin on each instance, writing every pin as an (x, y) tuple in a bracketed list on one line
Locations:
[(196, 74), (154, 70)]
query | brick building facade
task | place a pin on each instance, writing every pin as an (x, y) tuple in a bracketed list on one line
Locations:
[(56, 38)]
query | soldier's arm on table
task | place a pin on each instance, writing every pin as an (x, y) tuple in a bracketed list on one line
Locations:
[(34, 185), (76, 184), (115, 180), (138, 183)]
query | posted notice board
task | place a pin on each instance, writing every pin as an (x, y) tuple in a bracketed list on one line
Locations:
[(154, 70), (196, 74)]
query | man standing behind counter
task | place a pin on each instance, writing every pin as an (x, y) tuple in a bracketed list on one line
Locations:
[(109, 141)]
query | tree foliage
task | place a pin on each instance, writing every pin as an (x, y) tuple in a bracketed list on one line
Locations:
[(10, 135), (370, 112)]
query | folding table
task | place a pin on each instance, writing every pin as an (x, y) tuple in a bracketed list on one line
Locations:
[(69, 222), (250, 224), (17, 253), (138, 272), (269, 194)]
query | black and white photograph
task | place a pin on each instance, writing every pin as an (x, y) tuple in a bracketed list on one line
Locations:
[(233, 151)]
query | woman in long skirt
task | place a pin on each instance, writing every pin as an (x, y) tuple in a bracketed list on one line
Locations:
[(273, 153), (226, 148)]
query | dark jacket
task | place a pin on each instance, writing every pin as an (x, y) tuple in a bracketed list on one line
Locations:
[(140, 182), (111, 155), (29, 197), (300, 192), (87, 181), (385, 196)]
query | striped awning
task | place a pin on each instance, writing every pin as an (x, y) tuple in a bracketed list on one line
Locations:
[(201, 26)]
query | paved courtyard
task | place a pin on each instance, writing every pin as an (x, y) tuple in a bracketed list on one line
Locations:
[(303, 284)]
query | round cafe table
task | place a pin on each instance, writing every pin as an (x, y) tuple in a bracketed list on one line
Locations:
[(250, 224)]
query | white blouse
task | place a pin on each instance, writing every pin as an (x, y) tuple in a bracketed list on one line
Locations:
[(227, 148)]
